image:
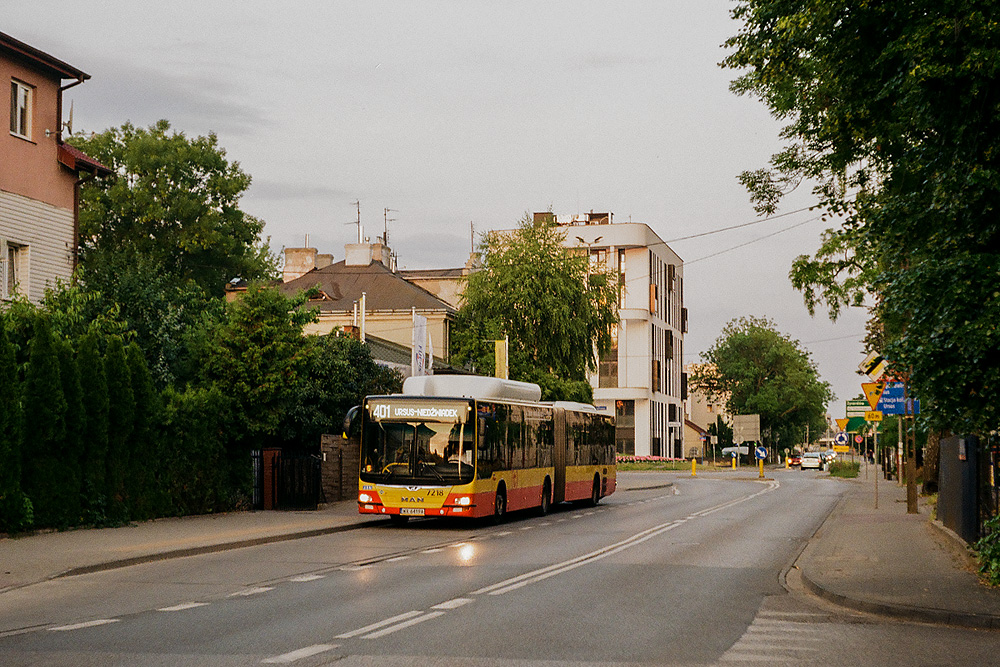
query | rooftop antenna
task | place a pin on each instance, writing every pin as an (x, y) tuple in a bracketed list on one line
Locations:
[(472, 237), (358, 222), (385, 234)]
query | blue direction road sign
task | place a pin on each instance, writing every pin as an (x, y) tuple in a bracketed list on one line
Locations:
[(760, 452), (892, 401), (841, 438)]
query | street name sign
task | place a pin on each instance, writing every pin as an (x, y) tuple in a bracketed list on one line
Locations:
[(857, 407)]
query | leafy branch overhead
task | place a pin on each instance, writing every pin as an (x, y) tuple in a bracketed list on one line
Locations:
[(892, 114)]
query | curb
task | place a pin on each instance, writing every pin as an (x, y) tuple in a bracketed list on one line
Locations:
[(206, 549), (919, 614), (900, 612)]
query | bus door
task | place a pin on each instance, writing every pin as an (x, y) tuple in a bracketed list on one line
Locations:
[(559, 455)]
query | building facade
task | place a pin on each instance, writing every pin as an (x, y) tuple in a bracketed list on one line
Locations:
[(641, 380), (39, 174)]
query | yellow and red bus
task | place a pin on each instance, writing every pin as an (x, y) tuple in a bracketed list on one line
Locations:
[(470, 446)]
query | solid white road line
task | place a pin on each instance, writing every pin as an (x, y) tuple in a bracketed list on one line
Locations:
[(405, 624), (380, 624), (307, 577)]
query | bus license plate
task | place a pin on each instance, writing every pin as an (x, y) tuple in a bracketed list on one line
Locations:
[(411, 511)]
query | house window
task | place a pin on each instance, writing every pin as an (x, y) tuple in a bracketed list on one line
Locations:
[(20, 109), (10, 269)]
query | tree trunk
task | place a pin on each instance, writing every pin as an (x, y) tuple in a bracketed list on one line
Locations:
[(930, 484)]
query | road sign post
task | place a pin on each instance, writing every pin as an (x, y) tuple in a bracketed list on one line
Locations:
[(761, 453)]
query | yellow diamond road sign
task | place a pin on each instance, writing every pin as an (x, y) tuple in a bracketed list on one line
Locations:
[(873, 392), (873, 416)]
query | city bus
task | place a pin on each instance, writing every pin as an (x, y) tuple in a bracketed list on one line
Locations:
[(470, 446)]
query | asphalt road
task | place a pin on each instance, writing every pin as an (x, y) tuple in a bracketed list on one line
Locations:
[(681, 574)]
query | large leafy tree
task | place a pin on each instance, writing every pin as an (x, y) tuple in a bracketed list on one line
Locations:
[(174, 202), (256, 357), (556, 311), (757, 370), (893, 113)]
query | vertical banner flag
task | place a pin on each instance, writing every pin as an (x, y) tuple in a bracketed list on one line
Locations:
[(430, 354), (418, 364), (500, 358)]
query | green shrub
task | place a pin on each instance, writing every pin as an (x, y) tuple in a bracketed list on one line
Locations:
[(844, 468), (988, 550)]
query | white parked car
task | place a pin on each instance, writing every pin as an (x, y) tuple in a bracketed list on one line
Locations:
[(812, 460)]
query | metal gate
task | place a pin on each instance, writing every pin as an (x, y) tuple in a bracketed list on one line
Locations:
[(287, 481)]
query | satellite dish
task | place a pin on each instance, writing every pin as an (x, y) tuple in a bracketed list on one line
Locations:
[(68, 125)]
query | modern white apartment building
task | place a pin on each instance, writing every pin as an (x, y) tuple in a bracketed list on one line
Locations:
[(641, 380)]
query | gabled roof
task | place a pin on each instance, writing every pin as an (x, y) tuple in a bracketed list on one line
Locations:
[(40, 60), (341, 285)]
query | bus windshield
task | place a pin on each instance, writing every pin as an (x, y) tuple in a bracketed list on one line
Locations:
[(419, 452)]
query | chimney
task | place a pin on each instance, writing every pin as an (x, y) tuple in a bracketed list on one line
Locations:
[(298, 262)]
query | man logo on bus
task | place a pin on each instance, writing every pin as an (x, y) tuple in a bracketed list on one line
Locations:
[(381, 411)]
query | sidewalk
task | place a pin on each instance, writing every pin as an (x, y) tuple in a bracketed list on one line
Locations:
[(28, 560), (888, 562)]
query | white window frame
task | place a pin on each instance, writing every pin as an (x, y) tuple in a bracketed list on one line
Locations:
[(12, 269), (21, 99)]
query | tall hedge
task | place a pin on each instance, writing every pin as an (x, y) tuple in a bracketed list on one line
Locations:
[(93, 379), (15, 508), (68, 473), (44, 424), (121, 421), (141, 484)]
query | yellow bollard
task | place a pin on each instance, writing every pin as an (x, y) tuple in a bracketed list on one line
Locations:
[(734, 463), (761, 463), (786, 462), (694, 462)]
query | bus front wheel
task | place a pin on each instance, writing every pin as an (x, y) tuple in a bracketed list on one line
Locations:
[(500, 504)]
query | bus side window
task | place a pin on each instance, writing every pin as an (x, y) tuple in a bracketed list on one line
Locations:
[(487, 447)]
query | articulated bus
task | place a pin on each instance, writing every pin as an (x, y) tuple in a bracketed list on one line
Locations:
[(469, 446)]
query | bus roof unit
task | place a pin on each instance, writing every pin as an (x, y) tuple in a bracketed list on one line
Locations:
[(471, 386)]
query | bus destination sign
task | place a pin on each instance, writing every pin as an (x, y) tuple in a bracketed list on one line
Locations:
[(431, 411)]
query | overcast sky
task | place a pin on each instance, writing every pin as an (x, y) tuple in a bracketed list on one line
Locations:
[(454, 113)]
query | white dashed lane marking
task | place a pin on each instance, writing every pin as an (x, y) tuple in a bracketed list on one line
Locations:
[(85, 624), (184, 607), (292, 656)]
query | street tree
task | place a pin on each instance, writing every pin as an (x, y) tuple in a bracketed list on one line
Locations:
[(555, 309), (893, 114), (256, 357), (757, 370), (174, 202)]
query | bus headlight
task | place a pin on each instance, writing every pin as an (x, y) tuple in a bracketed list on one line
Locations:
[(364, 498), (465, 501)]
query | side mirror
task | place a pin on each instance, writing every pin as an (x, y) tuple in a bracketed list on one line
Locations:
[(349, 420)]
